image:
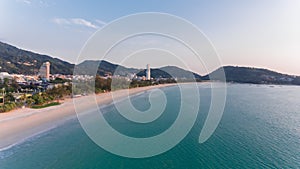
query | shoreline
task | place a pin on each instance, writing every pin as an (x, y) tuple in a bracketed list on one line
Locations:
[(21, 124)]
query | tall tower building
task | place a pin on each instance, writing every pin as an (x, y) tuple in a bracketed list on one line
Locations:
[(148, 73), (45, 70)]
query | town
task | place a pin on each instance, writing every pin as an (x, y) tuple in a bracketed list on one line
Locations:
[(45, 89)]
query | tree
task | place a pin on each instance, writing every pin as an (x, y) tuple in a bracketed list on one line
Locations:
[(29, 102), (14, 85), (5, 82), (9, 98), (58, 92), (23, 98), (38, 99), (47, 98), (102, 84), (9, 106), (1, 83)]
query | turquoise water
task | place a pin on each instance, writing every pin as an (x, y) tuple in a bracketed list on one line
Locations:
[(260, 128)]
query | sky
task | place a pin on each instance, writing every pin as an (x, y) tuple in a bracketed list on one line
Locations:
[(255, 33)]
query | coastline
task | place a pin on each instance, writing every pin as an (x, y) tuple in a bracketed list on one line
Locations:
[(22, 124)]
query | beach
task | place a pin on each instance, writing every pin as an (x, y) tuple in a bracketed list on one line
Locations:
[(21, 124)]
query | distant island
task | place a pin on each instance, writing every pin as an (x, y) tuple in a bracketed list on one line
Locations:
[(18, 61)]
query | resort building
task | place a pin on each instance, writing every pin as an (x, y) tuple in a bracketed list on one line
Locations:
[(148, 72), (45, 70)]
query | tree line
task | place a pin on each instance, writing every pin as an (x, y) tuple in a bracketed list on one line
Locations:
[(64, 88)]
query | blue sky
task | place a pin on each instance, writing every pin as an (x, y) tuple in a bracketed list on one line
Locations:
[(256, 33)]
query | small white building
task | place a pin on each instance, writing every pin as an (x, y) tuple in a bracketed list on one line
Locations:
[(4, 75)]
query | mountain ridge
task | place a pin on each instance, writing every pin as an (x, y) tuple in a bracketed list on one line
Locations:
[(254, 75), (16, 60), (20, 61)]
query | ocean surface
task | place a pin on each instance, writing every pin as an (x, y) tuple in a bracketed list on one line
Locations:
[(260, 128)]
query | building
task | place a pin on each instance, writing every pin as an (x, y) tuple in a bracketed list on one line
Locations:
[(4, 75), (45, 70), (148, 72)]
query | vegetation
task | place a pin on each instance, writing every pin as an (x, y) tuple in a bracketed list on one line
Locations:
[(102, 85), (29, 102), (45, 105), (136, 83), (37, 98), (7, 107), (59, 92), (62, 89), (14, 60), (9, 85), (59, 81), (253, 76)]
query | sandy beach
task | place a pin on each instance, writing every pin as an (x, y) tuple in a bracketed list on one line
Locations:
[(21, 124)]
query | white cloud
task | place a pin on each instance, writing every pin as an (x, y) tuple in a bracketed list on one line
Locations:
[(100, 22), (78, 21), (61, 21), (27, 2), (36, 3)]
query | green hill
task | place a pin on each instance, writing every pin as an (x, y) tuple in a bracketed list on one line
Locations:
[(170, 72), (254, 75), (15, 60)]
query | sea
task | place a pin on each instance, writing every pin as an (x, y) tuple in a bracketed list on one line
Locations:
[(260, 128)]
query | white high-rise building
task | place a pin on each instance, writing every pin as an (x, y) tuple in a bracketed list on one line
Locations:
[(148, 73), (45, 70)]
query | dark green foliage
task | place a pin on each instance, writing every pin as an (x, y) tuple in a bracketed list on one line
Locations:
[(164, 81), (59, 80), (38, 99), (7, 107), (10, 85), (45, 105), (9, 98), (135, 83), (57, 93), (29, 102), (102, 84)]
